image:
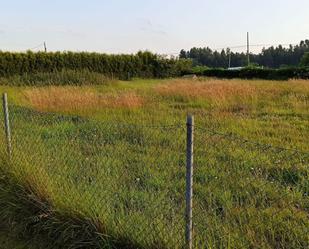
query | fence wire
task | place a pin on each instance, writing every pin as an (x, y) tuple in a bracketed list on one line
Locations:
[(249, 195), (131, 179)]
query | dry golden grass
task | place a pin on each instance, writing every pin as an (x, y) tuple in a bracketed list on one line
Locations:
[(231, 96), (215, 90), (220, 90), (240, 97), (68, 99)]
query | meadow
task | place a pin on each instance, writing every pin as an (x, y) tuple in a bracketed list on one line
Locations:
[(102, 165)]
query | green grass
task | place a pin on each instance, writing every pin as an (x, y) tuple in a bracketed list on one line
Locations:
[(63, 77), (11, 243), (116, 168)]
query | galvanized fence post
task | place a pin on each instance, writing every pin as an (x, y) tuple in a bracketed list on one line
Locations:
[(7, 123), (189, 183)]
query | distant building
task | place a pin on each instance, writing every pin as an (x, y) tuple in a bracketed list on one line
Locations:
[(235, 68), (190, 76)]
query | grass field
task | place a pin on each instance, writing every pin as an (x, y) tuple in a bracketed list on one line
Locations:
[(109, 159), (8, 242)]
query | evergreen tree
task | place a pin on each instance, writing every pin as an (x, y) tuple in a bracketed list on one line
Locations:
[(305, 60), (272, 57)]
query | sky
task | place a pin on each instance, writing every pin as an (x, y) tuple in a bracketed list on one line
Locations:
[(161, 26)]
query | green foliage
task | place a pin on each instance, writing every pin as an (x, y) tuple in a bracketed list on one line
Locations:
[(32, 220), (143, 64), (253, 65), (77, 179), (272, 57), (258, 73), (10, 241), (305, 60), (63, 77), (122, 186), (199, 69)]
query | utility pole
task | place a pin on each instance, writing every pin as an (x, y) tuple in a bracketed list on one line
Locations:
[(45, 48), (248, 49)]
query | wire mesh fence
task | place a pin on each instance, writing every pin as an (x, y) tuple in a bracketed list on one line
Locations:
[(131, 180), (249, 195)]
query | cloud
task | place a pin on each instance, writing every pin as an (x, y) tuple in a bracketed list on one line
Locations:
[(69, 32), (51, 30), (149, 27)]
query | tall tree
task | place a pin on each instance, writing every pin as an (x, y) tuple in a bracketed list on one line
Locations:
[(305, 60), (273, 57)]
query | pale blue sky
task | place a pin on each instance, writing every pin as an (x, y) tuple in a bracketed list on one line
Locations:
[(163, 26)]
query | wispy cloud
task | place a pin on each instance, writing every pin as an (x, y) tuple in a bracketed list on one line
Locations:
[(71, 33), (148, 26), (40, 29)]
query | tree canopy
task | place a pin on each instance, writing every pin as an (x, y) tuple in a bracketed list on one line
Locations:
[(272, 57), (305, 60)]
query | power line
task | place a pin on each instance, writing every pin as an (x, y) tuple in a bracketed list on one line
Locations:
[(37, 46), (255, 45), (243, 46)]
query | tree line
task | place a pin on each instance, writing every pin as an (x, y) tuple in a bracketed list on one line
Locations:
[(272, 57), (142, 64), (305, 60)]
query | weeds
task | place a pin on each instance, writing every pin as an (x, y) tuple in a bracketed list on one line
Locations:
[(102, 180), (63, 77), (70, 99)]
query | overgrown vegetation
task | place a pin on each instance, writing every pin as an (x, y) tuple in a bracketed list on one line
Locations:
[(305, 60), (258, 73), (31, 218), (8, 240), (118, 167), (143, 64), (272, 57), (63, 77)]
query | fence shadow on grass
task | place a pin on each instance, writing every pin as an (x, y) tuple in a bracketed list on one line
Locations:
[(91, 184)]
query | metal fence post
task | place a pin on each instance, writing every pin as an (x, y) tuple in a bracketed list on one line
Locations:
[(7, 123), (189, 182)]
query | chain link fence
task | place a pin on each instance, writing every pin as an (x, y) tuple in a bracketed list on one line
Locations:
[(134, 181), (249, 195)]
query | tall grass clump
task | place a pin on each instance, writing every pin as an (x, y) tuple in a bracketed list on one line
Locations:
[(96, 181), (27, 213), (122, 167)]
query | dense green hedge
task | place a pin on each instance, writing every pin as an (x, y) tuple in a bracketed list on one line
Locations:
[(259, 73), (59, 78), (305, 60), (143, 64)]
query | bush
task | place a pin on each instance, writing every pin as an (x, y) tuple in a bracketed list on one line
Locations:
[(199, 69), (305, 60), (258, 73), (143, 64), (63, 77)]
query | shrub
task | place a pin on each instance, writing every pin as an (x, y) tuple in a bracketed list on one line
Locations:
[(305, 60), (63, 77), (143, 64), (258, 73)]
